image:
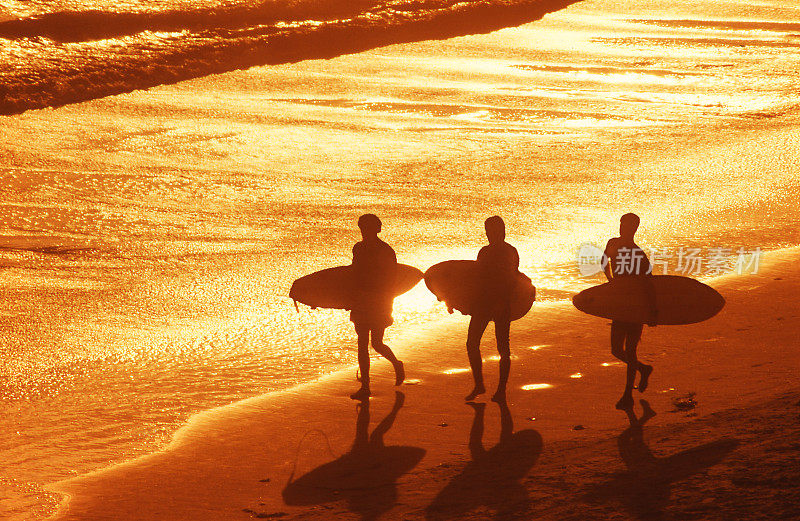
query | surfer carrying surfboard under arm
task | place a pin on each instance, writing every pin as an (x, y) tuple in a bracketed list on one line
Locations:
[(624, 258), (375, 270), (498, 263)]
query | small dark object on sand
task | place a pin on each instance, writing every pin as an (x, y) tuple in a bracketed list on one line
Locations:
[(578, 428), (443, 424), (685, 403), (265, 480)]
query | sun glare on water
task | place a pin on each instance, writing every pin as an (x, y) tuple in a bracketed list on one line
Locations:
[(458, 370), (536, 387), (417, 300)]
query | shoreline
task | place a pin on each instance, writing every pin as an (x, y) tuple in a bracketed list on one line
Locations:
[(433, 417), (336, 34), (205, 197)]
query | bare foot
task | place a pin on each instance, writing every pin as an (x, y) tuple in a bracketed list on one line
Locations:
[(399, 373), (499, 396), (361, 395), (643, 380), (625, 403), (479, 389)]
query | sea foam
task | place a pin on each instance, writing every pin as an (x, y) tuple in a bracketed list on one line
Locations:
[(65, 57)]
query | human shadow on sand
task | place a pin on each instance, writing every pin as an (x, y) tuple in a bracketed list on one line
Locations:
[(365, 477), (491, 481), (645, 488)]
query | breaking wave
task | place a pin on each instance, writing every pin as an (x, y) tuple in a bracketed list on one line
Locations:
[(67, 57)]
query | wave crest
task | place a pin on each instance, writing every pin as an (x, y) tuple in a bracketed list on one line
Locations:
[(63, 58)]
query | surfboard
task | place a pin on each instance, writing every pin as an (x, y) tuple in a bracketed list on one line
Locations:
[(333, 287), (679, 300), (456, 283)]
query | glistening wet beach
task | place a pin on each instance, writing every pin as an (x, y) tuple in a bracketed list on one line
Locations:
[(247, 455), (149, 239)]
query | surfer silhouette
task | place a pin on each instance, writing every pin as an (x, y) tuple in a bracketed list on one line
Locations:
[(498, 263), (374, 267), (624, 258)]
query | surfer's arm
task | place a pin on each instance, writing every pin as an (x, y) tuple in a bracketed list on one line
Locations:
[(356, 255), (482, 253), (610, 251), (360, 264), (512, 270), (389, 271), (650, 295), (484, 267)]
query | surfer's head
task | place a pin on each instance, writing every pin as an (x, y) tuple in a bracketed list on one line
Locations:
[(628, 224), (495, 229), (369, 224)]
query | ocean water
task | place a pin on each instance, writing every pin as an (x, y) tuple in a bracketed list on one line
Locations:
[(148, 239)]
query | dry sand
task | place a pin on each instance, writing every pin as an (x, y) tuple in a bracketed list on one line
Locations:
[(562, 452)]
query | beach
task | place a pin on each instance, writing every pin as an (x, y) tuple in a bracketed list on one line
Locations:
[(169, 168), (241, 460)]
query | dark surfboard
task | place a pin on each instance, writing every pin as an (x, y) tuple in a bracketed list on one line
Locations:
[(456, 282), (679, 300), (334, 287)]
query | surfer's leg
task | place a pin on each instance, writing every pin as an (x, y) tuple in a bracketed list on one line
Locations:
[(386, 352), (381, 348), (363, 362), (632, 339), (477, 325), (633, 333), (645, 371), (502, 332)]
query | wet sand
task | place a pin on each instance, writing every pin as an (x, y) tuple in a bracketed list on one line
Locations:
[(425, 454)]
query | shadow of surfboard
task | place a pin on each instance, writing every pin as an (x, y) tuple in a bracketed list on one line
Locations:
[(645, 487), (365, 477)]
